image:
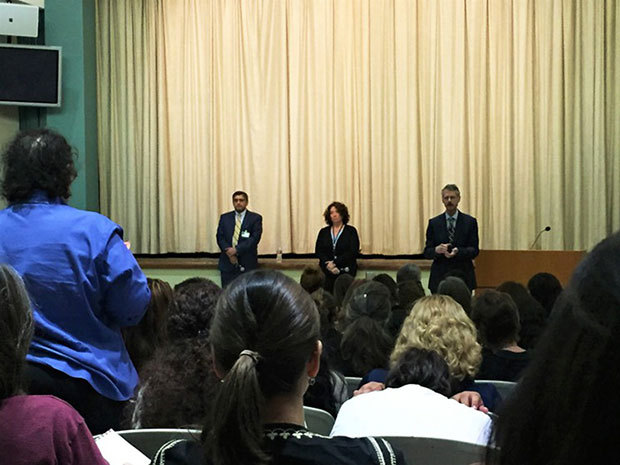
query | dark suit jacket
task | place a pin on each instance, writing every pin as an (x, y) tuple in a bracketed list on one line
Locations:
[(345, 255), (247, 247), (465, 239)]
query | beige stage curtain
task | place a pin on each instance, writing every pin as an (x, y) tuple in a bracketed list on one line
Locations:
[(374, 103)]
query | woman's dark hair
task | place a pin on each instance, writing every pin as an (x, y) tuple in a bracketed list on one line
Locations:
[(458, 290), (341, 286), (312, 278), (178, 386), (531, 313), (497, 319), (545, 288), (423, 367), (408, 272), (564, 410), (264, 332), (326, 305), (408, 293), (388, 282), (38, 159), (340, 208), (16, 326), (143, 339), (192, 309), (366, 343)]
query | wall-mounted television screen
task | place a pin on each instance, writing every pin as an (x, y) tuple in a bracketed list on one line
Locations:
[(30, 75)]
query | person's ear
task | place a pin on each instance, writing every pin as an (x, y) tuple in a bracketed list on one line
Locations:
[(313, 365), (216, 369)]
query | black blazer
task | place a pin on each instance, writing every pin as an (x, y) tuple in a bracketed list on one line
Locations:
[(345, 254), (247, 247), (465, 239)]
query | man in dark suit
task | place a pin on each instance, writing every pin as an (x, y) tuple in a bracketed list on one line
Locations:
[(238, 235), (451, 241)]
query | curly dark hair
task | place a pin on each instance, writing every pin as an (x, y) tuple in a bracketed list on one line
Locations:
[(340, 208), (38, 159), (192, 310)]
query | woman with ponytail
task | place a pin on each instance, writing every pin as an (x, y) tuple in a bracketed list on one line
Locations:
[(266, 350)]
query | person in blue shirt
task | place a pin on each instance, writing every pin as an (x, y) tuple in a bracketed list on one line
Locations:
[(85, 285)]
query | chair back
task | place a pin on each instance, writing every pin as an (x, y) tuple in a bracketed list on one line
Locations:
[(353, 383), (504, 388), (432, 451), (318, 421), (149, 440)]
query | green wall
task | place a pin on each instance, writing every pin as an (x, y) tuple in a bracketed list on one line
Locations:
[(71, 25)]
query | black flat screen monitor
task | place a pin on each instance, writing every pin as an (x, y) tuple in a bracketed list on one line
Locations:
[(30, 75)]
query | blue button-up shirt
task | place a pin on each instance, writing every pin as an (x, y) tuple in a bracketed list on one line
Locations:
[(84, 285)]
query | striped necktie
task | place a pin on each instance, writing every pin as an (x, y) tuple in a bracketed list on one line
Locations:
[(235, 239), (451, 230)]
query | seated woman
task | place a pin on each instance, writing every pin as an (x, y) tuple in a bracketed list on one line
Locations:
[(33, 429), (438, 323), (497, 319), (414, 403), (266, 349), (531, 313), (337, 245), (178, 383), (366, 342), (565, 409)]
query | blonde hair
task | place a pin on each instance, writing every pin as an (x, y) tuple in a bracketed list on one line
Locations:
[(438, 323)]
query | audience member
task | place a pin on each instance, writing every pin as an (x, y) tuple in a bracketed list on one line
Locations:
[(266, 349), (178, 384), (408, 293), (143, 339), (33, 429), (545, 288), (329, 390), (388, 282), (84, 283), (409, 272), (312, 278), (366, 342), (531, 313), (564, 410), (497, 318), (458, 290), (414, 403), (341, 286), (328, 312)]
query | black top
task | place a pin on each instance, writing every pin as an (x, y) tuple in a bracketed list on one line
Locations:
[(502, 365), (344, 254), (294, 445)]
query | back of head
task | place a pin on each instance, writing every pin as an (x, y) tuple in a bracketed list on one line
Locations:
[(341, 286), (409, 272), (438, 323), (388, 282), (366, 342), (38, 159), (423, 367), (312, 278), (531, 313), (16, 325), (458, 290), (564, 409), (545, 288), (408, 293), (264, 332), (496, 316), (326, 305), (192, 309)]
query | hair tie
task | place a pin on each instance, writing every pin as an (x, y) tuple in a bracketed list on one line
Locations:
[(255, 356)]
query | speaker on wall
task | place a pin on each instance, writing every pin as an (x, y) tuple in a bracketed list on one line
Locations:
[(19, 20)]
